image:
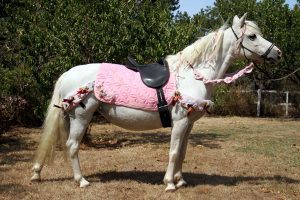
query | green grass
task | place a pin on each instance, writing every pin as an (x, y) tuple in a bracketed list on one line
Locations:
[(284, 150), (277, 139)]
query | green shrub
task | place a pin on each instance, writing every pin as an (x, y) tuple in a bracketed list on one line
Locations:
[(234, 100)]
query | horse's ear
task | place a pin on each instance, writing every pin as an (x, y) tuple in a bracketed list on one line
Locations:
[(236, 20), (239, 22), (242, 20)]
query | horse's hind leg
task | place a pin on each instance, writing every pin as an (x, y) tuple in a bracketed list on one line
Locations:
[(79, 120)]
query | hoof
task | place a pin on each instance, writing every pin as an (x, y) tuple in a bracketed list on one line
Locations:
[(35, 178), (181, 183), (84, 183), (170, 187)]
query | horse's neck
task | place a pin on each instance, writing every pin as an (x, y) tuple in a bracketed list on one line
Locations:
[(185, 74), (218, 68)]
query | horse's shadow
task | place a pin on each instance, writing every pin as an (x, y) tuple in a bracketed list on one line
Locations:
[(155, 178)]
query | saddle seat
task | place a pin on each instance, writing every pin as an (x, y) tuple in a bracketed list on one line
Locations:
[(154, 75)]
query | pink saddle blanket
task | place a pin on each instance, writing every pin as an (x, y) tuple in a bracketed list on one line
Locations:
[(115, 84)]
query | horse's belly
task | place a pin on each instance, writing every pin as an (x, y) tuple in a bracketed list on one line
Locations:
[(130, 118)]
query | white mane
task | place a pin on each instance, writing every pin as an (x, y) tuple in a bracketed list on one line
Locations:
[(204, 50)]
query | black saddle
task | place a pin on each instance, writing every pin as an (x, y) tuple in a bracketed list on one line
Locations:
[(155, 75)]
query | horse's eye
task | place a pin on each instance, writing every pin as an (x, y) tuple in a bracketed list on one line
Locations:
[(252, 37)]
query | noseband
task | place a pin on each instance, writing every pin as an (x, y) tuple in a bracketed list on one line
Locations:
[(264, 56)]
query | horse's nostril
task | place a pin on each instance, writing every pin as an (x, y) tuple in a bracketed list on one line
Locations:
[(279, 52)]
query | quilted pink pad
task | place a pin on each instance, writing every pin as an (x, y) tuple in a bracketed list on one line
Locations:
[(115, 84)]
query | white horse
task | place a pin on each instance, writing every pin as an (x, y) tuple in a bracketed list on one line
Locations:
[(210, 55)]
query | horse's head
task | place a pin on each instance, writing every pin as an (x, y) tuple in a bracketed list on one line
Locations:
[(251, 44)]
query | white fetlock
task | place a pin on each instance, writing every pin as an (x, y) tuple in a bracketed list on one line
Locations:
[(181, 183), (37, 172), (83, 183), (170, 187), (36, 177), (165, 181)]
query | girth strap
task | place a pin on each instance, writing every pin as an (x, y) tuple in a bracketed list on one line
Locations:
[(163, 109)]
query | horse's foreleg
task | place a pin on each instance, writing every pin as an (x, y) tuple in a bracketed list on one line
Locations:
[(177, 136), (178, 172)]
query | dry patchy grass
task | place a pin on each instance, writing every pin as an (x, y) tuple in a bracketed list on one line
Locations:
[(227, 158)]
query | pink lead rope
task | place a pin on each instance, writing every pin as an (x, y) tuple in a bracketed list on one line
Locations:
[(229, 78)]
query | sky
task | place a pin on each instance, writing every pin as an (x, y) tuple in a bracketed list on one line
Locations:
[(194, 6)]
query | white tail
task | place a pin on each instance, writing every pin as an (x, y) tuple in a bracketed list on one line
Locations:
[(55, 129)]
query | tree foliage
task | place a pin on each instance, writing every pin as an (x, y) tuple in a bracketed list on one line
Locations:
[(42, 39), (39, 40)]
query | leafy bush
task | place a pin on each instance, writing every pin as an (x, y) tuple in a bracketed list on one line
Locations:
[(234, 100)]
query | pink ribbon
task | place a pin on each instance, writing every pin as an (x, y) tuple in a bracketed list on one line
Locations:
[(229, 78)]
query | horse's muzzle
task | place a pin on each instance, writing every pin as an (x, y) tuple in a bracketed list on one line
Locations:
[(274, 56)]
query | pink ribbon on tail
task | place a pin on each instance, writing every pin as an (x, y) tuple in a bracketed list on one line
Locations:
[(229, 78)]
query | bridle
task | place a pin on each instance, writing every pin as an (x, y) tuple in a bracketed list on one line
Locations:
[(264, 56)]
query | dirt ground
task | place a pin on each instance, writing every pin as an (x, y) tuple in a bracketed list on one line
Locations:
[(227, 158)]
